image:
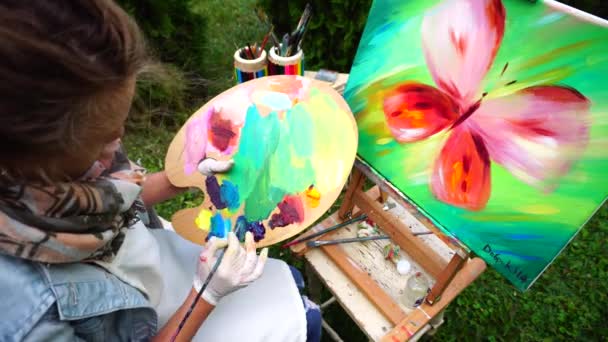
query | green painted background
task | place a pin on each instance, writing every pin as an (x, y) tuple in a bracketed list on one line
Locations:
[(528, 228)]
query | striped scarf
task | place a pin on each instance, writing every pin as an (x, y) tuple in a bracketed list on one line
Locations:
[(77, 221)]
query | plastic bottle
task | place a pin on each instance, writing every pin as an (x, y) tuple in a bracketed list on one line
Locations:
[(415, 290)]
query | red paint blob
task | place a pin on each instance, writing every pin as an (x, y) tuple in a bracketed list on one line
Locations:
[(222, 133), (291, 210)]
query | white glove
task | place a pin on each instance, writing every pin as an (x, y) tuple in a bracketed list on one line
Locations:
[(239, 267), (210, 166)]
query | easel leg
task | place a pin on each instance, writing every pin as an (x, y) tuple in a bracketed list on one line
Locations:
[(444, 279), (356, 183)]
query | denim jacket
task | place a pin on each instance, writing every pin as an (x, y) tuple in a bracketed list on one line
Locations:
[(70, 302)]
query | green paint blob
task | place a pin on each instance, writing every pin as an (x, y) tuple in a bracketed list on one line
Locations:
[(301, 129), (273, 159), (259, 139), (263, 198)]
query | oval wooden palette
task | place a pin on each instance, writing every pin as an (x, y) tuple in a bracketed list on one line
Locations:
[(293, 140)]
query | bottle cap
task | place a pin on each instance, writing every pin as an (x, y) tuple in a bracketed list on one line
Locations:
[(403, 266)]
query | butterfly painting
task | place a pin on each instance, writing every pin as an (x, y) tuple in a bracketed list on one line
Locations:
[(489, 115)]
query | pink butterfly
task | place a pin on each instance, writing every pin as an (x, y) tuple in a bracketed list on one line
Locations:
[(535, 133)]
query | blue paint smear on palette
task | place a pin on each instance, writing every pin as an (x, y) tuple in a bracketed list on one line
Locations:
[(229, 194), (256, 228), (276, 101), (219, 226), (224, 195), (214, 191)]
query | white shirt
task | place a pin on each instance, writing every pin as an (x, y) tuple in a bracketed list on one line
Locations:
[(162, 265)]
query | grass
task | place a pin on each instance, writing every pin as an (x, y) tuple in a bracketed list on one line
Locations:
[(569, 302)]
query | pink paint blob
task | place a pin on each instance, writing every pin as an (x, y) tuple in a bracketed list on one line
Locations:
[(195, 146)]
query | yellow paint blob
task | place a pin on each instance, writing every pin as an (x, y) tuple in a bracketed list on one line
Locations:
[(203, 220), (540, 209), (384, 141), (313, 197)]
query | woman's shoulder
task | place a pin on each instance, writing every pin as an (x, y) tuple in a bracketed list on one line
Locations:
[(76, 292), (25, 297)]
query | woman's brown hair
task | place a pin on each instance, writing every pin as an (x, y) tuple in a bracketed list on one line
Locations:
[(64, 66)]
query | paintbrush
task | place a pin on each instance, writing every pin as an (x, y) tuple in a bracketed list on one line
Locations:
[(298, 33), (318, 243), (199, 294), (203, 288), (265, 40), (305, 16), (285, 44), (264, 20), (386, 207), (249, 52)]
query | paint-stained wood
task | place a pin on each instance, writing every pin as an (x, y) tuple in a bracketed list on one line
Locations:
[(401, 235), (330, 221), (362, 311), (369, 257), (420, 317), (383, 302), (354, 185)]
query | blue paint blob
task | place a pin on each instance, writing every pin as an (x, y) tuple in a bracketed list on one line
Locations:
[(276, 101), (229, 194), (240, 228), (256, 228), (214, 192), (219, 226)]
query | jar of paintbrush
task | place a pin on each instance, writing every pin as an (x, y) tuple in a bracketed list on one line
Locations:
[(249, 64), (283, 64), (286, 57)]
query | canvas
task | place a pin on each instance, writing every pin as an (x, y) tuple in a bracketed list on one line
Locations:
[(293, 141), (491, 116)]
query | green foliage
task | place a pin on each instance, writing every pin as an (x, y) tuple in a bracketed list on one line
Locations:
[(176, 37), (175, 32), (195, 41), (231, 24), (333, 33)]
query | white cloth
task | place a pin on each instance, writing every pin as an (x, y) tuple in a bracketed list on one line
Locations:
[(138, 261), (161, 264), (268, 310)]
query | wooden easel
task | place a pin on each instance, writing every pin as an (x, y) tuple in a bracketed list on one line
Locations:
[(451, 277)]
